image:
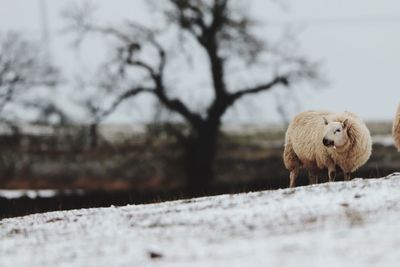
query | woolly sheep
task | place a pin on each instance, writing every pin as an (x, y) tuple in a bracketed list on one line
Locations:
[(317, 140), (396, 129)]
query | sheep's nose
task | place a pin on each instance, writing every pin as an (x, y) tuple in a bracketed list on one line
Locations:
[(327, 142)]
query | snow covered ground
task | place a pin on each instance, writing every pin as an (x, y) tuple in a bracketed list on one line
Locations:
[(353, 223)]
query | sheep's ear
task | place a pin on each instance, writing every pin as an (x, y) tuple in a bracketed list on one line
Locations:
[(345, 123), (325, 121)]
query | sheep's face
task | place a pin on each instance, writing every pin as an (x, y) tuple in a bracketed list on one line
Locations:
[(335, 134)]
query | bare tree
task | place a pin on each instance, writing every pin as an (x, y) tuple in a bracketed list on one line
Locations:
[(21, 69), (219, 29), (96, 104)]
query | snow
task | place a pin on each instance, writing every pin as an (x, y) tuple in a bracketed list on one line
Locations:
[(45, 193), (352, 223), (12, 194)]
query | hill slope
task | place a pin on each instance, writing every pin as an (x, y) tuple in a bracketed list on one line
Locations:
[(355, 223)]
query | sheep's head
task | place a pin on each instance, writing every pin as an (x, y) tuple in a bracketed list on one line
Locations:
[(335, 133)]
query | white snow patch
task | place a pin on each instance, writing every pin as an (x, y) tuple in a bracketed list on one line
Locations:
[(11, 194), (334, 224), (44, 193)]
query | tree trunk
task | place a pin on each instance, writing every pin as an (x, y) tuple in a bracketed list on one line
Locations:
[(93, 136), (201, 152)]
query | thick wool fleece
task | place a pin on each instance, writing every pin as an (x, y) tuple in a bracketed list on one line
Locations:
[(304, 147)]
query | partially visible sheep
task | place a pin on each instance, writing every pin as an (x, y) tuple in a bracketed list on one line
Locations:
[(316, 140), (396, 129)]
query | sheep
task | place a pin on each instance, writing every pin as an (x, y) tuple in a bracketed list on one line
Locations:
[(396, 129), (317, 140)]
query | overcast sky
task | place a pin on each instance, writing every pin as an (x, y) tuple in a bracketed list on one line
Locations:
[(357, 41)]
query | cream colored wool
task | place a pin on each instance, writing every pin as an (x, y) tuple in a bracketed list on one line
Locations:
[(396, 129), (304, 147)]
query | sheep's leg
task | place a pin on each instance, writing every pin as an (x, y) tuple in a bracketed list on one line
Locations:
[(312, 178), (293, 176), (332, 174), (292, 163), (347, 176)]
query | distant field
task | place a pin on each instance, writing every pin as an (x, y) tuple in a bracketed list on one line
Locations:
[(128, 157), (122, 132), (141, 168)]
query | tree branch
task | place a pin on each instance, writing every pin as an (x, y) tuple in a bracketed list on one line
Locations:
[(189, 23), (143, 65), (174, 104), (207, 38), (218, 11), (162, 54), (133, 46), (156, 75), (283, 80), (128, 94)]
